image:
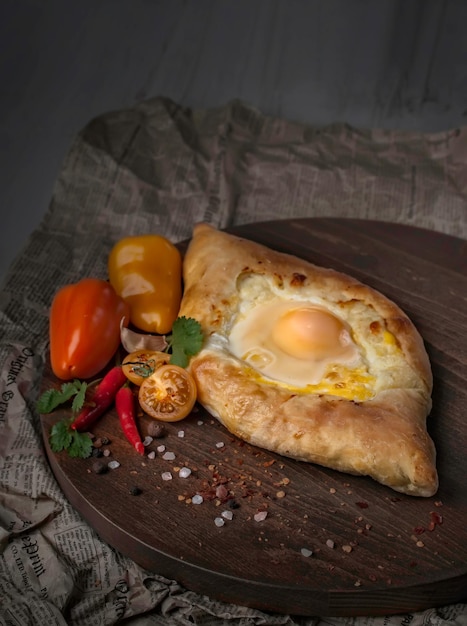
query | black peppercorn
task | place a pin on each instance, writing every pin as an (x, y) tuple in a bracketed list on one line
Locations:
[(98, 467), (156, 430)]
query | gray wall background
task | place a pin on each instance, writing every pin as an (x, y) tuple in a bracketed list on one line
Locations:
[(369, 63)]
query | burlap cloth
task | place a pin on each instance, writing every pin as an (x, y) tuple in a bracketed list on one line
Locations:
[(157, 167)]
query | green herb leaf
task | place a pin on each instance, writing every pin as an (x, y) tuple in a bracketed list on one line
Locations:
[(48, 401), (60, 436), (52, 398), (81, 445), (78, 400), (185, 341), (63, 437)]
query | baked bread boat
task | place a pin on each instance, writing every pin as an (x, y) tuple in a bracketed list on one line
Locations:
[(309, 362)]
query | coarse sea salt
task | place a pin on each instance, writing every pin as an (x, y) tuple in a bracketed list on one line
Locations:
[(227, 514), (166, 476), (260, 516), (161, 448), (113, 465), (152, 455), (220, 444), (181, 434), (197, 499), (184, 472), (168, 456), (219, 521), (306, 552), (147, 440)]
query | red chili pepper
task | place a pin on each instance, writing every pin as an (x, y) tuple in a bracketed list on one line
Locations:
[(103, 397), (125, 405)]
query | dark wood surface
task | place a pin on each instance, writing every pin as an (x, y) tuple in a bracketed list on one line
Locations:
[(392, 553)]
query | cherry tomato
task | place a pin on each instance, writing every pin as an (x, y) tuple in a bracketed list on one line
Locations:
[(84, 328), (169, 394), (140, 364)]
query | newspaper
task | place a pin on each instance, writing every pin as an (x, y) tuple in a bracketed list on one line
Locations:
[(158, 167)]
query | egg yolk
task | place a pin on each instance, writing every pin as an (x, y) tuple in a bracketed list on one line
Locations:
[(296, 343), (310, 332)]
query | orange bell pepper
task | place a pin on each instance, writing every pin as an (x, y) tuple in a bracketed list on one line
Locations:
[(146, 271), (84, 328)]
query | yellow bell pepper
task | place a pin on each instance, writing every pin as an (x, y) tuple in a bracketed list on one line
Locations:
[(146, 272)]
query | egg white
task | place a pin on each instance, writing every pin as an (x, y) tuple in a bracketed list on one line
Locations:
[(252, 339), (351, 375)]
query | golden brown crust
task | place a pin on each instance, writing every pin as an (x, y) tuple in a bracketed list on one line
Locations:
[(384, 437)]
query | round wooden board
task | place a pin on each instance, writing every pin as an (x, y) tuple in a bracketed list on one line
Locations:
[(331, 544)]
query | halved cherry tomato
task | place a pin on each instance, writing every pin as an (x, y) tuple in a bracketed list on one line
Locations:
[(169, 394), (140, 364)]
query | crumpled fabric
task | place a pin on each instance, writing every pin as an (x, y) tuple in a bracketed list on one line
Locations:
[(158, 167)]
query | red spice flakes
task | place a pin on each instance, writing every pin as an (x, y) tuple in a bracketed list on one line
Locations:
[(435, 520), (282, 482), (245, 492), (362, 505), (362, 530)]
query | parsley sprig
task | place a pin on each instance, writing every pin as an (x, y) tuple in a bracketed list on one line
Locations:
[(185, 340), (62, 437), (52, 398)]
